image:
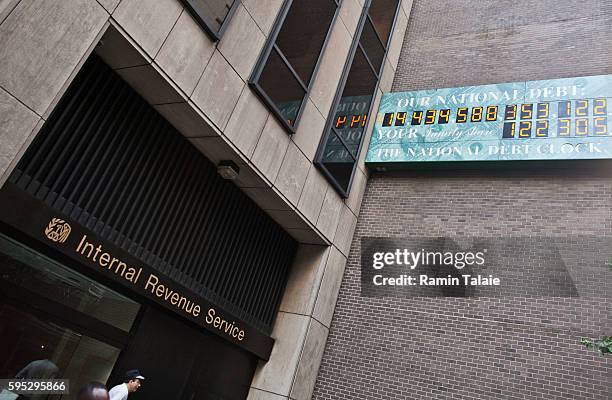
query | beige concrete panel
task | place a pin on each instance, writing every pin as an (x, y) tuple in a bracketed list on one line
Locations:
[(288, 219), (267, 198), (148, 22), (109, 5), (216, 149), (16, 125), (249, 177), (75, 71), (271, 149), (304, 279), (407, 6), (368, 132), (330, 287), (6, 6), (264, 12), (309, 130), (313, 194), (246, 122), (276, 375), (344, 233), (256, 394), (397, 40), (118, 50), (218, 90), (242, 42), (292, 174), (386, 79), (152, 84), (187, 119), (350, 11), (330, 68), (185, 53), (307, 236), (330, 213), (310, 360), (41, 43), (356, 195)]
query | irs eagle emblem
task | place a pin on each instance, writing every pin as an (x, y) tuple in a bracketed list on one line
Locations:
[(57, 230)]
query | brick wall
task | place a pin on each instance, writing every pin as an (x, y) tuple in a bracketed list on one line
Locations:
[(466, 42), (482, 348)]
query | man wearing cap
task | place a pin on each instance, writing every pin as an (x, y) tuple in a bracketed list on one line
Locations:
[(129, 385)]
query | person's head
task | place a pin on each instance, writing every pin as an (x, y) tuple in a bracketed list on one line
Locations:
[(93, 391), (133, 380)]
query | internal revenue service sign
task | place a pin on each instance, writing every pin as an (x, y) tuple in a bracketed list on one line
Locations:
[(535, 120)]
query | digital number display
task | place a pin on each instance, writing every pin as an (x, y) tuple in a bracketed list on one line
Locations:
[(492, 113), (444, 116), (357, 120), (526, 111), (552, 119), (462, 114), (510, 112), (543, 110), (430, 117), (582, 117)]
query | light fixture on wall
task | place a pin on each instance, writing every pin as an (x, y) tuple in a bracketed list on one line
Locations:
[(228, 169)]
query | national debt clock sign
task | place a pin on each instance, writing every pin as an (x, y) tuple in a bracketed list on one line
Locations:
[(536, 120)]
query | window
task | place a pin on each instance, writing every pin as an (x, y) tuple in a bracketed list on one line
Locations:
[(212, 15), (289, 61), (339, 150)]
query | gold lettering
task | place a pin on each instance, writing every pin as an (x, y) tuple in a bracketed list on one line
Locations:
[(121, 266), (183, 301), (159, 291), (228, 328), (189, 306), (98, 250), (149, 282), (130, 274), (174, 299), (196, 310), (91, 248), (78, 249), (104, 259), (210, 315)]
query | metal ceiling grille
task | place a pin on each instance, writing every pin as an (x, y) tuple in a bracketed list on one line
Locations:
[(107, 159)]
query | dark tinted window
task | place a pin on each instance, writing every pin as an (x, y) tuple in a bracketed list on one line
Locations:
[(211, 14), (303, 33), (372, 46), (342, 146), (338, 152), (337, 160), (355, 102), (281, 86), (284, 74), (382, 13)]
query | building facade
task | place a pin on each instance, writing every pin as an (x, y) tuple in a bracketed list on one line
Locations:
[(184, 191), (122, 245), (517, 346)]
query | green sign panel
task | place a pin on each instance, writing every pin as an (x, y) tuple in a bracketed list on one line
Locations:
[(536, 120)]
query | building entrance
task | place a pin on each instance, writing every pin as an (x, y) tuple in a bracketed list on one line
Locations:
[(184, 362), (60, 324), (57, 323)]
